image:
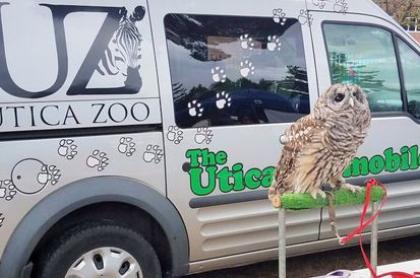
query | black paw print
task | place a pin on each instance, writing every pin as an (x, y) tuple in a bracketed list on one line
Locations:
[(153, 153), (175, 134), (67, 148), (98, 160), (127, 146), (7, 190)]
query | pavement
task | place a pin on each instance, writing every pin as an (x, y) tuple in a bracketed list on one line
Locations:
[(317, 264)]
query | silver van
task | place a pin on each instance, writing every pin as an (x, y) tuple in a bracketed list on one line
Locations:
[(138, 138)]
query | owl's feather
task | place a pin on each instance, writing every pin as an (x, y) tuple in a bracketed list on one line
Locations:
[(294, 168)]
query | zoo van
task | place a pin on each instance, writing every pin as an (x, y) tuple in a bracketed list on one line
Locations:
[(139, 138)]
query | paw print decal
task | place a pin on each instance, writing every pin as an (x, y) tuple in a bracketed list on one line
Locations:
[(279, 16), (305, 18), (223, 99), (319, 3), (67, 148), (341, 6), (153, 153), (246, 42), (7, 190), (175, 134), (126, 146), (273, 43), (203, 135), (98, 160), (218, 74), (195, 109), (247, 68), (31, 175)]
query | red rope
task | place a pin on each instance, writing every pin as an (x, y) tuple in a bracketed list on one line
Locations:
[(362, 226)]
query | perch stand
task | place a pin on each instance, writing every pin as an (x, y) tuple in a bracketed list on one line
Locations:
[(297, 201)]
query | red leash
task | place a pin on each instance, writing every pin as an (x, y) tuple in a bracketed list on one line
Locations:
[(362, 226)]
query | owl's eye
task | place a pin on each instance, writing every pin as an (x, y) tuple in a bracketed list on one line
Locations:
[(339, 97)]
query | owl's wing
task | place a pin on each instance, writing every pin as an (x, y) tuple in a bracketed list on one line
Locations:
[(296, 138)]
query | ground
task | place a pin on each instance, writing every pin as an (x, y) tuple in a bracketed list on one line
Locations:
[(322, 263)]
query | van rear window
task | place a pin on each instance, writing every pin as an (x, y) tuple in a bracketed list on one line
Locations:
[(231, 70)]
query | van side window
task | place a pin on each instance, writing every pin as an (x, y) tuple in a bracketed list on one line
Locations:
[(231, 70), (410, 62), (365, 55)]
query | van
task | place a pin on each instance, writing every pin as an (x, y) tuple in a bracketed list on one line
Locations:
[(138, 138)]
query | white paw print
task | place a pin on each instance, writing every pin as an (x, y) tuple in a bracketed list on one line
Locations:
[(279, 16), (247, 68), (98, 160), (153, 153), (273, 43), (247, 42), (341, 6), (223, 99), (175, 134), (218, 74), (203, 135), (67, 148), (319, 3), (127, 146), (195, 109), (305, 17)]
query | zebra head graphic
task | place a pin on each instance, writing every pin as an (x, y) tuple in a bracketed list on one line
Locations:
[(123, 54)]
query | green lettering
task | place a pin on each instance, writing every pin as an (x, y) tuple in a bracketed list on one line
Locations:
[(238, 174), (392, 160), (360, 166), (376, 164), (414, 152), (224, 176), (268, 174), (193, 155), (221, 158), (195, 181), (252, 178), (347, 171), (405, 165)]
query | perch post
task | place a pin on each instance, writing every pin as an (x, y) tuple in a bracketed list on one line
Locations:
[(301, 201)]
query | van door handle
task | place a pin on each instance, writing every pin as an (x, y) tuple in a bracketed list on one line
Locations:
[(186, 166)]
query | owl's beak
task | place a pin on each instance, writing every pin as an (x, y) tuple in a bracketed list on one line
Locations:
[(351, 102)]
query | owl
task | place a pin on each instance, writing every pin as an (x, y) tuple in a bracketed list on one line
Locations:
[(318, 147)]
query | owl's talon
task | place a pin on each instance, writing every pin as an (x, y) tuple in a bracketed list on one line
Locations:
[(319, 192), (351, 187), (276, 201)]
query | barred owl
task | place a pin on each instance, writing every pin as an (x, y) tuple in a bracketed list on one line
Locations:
[(319, 146)]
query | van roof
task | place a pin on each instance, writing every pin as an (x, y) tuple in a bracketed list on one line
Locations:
[(367, 7)]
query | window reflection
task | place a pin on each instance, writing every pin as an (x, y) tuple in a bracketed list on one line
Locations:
[(365, 55), (410, 62), (229, 70)]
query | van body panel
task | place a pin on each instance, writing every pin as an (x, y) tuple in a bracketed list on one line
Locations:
[(386, 137), (41, 167), (90, 191), (78, 66), (235, 228)]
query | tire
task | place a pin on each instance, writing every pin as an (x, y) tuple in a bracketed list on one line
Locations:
[(64, 253)]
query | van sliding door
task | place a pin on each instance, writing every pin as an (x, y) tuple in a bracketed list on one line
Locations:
[(237, 76)]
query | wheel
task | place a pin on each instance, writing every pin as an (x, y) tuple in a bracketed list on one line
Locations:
[(106, 251)]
